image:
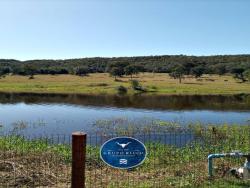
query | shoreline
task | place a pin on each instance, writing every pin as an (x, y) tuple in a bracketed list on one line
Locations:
[(146, 94)]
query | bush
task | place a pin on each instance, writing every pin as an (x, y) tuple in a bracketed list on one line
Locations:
[(122, 89), (135, 84), (31, 77), (247, 74), (81, 71)]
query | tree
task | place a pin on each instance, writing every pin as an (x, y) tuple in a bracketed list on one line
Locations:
[(220, 64), (188, 66), (131, 69), (29, 69), (5, 70), (247, 74), (178, 72), (116, 71), (238, 74), (197, 71), (81, 71), (220, 69), (120, 65)]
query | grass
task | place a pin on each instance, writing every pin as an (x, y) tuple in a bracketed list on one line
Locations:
[(102, 83), (42, 162)]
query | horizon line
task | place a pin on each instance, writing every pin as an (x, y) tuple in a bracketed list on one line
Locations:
[(110, 57)]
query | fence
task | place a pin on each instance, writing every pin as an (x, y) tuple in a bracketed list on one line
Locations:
[(176, 158)]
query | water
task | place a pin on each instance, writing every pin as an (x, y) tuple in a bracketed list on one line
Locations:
[(61, 114)]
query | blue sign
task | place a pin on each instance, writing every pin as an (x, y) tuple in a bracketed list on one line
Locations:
[(123, 152)]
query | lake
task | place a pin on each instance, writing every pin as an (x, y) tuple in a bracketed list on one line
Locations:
[(63, 113)]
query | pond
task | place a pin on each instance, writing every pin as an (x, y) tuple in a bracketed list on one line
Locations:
[(63, 113)]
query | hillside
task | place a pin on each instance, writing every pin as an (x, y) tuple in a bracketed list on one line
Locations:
[(166, 63)]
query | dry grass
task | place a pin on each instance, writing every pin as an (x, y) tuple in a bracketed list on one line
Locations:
[(48, 170), (33, 170), (102, 83), (23, 165)]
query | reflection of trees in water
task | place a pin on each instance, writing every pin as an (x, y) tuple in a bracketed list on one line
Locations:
[(172, 102)]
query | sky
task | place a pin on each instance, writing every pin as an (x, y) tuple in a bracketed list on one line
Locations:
[(61, 29)]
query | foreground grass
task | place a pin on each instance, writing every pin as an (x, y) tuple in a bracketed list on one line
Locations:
[(102, 83), (42, 162)]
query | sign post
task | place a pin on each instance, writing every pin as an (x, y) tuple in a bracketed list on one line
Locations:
[(79, 140)]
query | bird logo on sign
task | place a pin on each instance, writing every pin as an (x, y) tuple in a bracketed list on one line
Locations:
[(123, 145)]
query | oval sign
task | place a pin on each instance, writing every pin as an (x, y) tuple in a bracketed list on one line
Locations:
[(123, 152)]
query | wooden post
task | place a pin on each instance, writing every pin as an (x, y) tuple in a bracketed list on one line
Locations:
[(79, 140)]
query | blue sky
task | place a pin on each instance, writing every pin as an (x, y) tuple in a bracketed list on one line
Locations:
[(59, 29)]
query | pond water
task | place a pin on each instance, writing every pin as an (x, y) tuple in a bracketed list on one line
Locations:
[(61, 113)]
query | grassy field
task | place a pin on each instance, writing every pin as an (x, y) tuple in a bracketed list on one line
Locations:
[(102, 83), (32, 163)]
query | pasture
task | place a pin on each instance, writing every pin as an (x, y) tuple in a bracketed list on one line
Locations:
[(103, 83)]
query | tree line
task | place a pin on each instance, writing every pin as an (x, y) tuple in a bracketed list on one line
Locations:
[(176, 65)]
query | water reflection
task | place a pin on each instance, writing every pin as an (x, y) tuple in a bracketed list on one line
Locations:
[(63, 114), (173, 102)]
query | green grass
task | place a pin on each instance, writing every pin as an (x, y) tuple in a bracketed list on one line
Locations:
[(102, 83), (166, 165)]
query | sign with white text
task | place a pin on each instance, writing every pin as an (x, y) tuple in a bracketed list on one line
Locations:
[(123, 152)]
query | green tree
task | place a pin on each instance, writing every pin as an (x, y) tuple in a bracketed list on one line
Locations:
[(219, 69), (116, 71), (188, 66), (29, 69), (247, 74), (131, 70), (5, 70), (220, 64), (197, 71), (178, 73), (238, 74), (81, 71)]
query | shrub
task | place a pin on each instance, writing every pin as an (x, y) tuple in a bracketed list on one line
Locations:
[(135, 84), (122, 89), (247, 74), (81, 71), (31, 77)]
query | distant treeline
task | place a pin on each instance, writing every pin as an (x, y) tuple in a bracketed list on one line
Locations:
[(197, 65)]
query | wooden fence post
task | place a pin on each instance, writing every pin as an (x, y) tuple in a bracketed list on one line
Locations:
[(79, 140)]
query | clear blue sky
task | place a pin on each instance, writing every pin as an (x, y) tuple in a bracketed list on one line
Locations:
[(58, 29)]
